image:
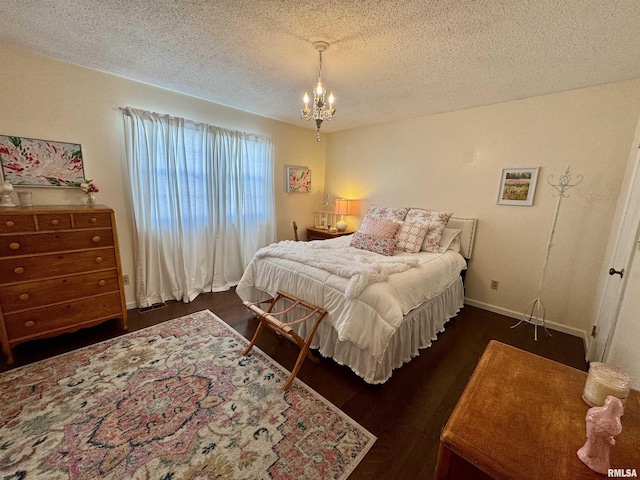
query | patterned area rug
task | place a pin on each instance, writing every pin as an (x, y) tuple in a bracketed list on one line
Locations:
[(169, 402)]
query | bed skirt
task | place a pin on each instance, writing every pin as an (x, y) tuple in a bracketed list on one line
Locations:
[(418, 330)]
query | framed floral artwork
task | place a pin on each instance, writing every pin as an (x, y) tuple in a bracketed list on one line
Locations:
[(298, 179), (518, 186), (41, 163)]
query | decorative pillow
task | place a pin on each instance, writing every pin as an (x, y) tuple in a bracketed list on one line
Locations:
[(436, 223), (383, 246), (448, 236), (387, 213), (456, 245), (411, 236), (379, 227)]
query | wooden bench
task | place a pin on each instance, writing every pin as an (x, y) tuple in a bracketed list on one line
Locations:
[(268, 319)]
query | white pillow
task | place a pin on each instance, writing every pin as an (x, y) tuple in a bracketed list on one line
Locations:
[(448, 236), (456, 245)]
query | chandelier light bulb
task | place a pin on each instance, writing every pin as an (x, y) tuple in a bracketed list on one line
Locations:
[(319, 89), (305, 99), (331, 99)]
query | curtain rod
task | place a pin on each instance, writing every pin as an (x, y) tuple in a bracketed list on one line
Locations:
[(193, 122)]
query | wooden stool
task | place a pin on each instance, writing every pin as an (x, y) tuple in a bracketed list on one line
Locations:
[(268, 319)]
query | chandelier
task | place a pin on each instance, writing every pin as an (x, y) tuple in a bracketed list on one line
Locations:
[(320, 110)]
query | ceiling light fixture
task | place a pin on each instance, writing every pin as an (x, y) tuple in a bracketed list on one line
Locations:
[(321, 110)]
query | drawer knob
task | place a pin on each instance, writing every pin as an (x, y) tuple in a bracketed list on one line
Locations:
[(29, 323), (93, 220), (9, 223), (55, 222), (98, 260), (14, 246), (18, 270), (96, 239), (24, 296), (102, 283)]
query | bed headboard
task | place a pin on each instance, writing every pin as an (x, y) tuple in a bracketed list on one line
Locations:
[(468, 235)]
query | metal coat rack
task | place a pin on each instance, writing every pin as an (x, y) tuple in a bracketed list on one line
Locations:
[(532, 313)]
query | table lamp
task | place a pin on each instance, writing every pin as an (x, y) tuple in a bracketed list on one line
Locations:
[(342, 209)]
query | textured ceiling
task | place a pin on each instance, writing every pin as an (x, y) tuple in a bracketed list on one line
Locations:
[(387, 60)]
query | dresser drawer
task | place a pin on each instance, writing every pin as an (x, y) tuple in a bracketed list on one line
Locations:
[(92, 220), (37, 294), (53, 221), (16, 223), (65, 316), (25, 269), (51, 242)]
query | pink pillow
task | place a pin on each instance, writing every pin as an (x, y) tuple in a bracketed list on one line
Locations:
[(383, 246), (411, 236), (379, 227)]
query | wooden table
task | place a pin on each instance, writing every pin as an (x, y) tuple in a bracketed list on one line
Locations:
[(323, 234), (522, 417)]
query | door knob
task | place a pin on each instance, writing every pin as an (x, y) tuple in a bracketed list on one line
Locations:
[(613, 271)]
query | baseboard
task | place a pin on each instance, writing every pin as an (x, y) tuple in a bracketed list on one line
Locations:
[(576, 332), (132, 305)]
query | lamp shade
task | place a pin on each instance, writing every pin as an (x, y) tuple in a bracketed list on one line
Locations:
[(342, 206)]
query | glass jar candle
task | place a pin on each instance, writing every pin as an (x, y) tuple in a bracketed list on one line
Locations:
[(604, 380)]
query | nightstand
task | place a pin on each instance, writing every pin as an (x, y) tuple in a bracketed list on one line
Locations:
[(323, 234)]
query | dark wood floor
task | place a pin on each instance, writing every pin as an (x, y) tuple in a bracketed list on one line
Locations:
[(406, 413)]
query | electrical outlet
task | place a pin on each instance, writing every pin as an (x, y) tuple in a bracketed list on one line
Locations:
[(125, 279), (494, 284)]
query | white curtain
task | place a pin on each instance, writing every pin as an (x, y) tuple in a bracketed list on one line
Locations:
[(203, 204)]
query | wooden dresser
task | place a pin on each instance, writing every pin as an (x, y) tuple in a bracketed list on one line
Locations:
[(59, 272)]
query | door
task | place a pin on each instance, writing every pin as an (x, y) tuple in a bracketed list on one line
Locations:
[(620, 255), (623, 351)]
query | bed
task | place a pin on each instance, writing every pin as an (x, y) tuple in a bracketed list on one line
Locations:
[(381, 309)]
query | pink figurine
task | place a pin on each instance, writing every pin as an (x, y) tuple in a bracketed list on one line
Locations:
[(603, 424)]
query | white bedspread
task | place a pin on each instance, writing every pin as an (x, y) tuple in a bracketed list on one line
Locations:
[(323, 272), (358, 267)]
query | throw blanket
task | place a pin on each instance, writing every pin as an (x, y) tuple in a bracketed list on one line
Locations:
[(360, 267)]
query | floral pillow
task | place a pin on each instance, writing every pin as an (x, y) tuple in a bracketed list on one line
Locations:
[(383, 246), (411, 236), (436, 223), (379, 227), (387, 213)]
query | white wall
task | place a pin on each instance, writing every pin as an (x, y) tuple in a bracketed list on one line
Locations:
[(453, 162), (47, 99)]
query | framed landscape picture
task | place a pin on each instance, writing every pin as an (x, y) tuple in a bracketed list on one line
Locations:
[(298, 179), (41, 163), (518, 186)]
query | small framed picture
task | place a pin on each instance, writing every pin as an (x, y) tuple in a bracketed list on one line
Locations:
[(298, 179), (518, 186)]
